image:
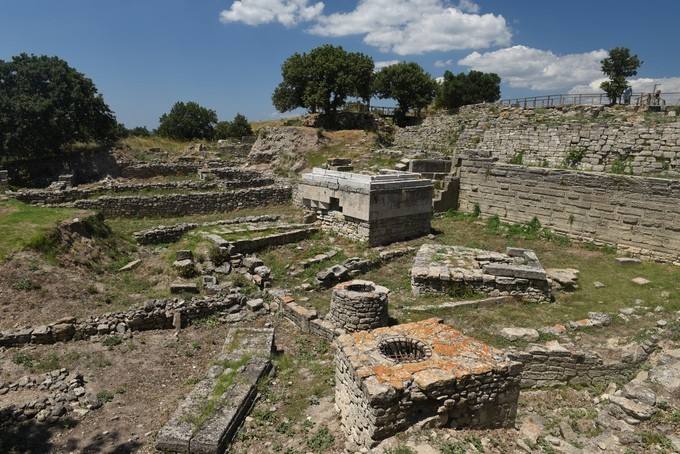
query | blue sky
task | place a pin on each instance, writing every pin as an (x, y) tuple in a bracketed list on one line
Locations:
[(146, 54)]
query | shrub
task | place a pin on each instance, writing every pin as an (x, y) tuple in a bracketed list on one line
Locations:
[(105, 396), (621, 165), (518, 158), (574, 158), (187, 121), (218, 255), (25, 284), (321, 441), (112, 341), (235, 129)]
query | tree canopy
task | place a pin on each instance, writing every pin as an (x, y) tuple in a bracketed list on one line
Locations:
[(323, 79), (407, 83), (235, 129), (619, 65), (462, 89), (187, 121), (46, 104)]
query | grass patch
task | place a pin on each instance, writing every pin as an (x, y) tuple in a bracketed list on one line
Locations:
[(24, 225), (223, 383)]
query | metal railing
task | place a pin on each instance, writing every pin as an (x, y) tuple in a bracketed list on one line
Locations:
[(595, 99), (378, 110)]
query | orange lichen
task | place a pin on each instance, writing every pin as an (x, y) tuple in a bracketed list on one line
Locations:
[(454, 355)]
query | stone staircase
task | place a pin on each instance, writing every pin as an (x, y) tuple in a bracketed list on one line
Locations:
[(444, 179)]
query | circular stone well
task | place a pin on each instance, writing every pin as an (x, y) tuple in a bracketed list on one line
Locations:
[(358, 306)]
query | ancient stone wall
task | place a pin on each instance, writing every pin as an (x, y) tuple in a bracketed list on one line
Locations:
[(184, 204), (157, 169), (155, 314), (584, 137), (553, 364), (639, 215)]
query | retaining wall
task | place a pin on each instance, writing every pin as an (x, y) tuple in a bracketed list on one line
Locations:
[(640, 215), (603, 137), (553, 364), (184, 204)]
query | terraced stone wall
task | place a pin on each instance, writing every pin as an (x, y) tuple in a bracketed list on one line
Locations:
[(640, 215), (184, 204)]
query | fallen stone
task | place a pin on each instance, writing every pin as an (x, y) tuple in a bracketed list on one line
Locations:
[(130, 266), (183, 287), (255, 304), (627, 261), (565, 278), (637, 410), (598, 284), (513, 334), (640, 281)]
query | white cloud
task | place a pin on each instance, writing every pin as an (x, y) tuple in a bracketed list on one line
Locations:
[(384, 64), (443, 63), (468, 6), (408, 27), (538, 69), (639, 85), (286, 12)]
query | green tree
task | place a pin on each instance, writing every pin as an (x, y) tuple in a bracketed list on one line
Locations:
[(323, 79), (239, 127), (408, 84), (617, 66), (139, 131), (187, 121), (45, 104), (462, 89)]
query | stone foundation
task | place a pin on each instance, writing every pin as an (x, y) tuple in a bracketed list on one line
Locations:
[(378, 209), (425, 373), (459, 270), (358, 305), (184, 204)]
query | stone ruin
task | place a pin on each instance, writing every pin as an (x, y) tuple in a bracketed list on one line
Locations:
[(425, 373), (458, 270), (378, 209), (358, 305), (4, 180)]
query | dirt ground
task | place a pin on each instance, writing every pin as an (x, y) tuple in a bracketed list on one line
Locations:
[(145, 377)]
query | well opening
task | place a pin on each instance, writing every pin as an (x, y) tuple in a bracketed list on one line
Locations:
[(404, 350), (361, 288)]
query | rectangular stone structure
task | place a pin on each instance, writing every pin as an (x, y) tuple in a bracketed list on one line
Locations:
[(458, 269), (379, 209), (426, 373), (187, 431)]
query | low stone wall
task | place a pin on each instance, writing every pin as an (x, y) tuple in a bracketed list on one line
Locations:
[(553, 364), (155, 314), (172, 233), (185, 204), (157, 169), (595, 138), (250, 245), (639, 215)]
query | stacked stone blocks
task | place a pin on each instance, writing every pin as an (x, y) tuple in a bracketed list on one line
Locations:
[(446, 380), (461, 270)]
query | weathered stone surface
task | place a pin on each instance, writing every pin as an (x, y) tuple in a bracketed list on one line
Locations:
[(513, 334), (444, 377), (518, 273), (378, 209), (625, 211), (358, 305)]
